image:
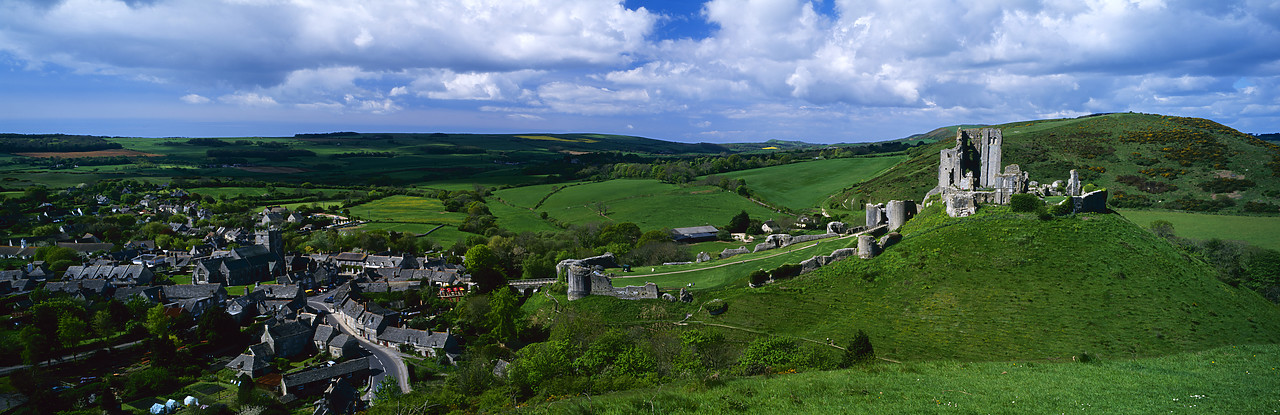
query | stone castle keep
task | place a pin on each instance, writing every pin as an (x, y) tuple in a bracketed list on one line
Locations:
[(969, 173)]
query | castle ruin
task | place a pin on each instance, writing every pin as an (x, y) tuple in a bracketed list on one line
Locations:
[(970, 173), (586, 277)]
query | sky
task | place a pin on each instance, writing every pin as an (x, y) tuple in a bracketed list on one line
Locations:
[(821, 71)]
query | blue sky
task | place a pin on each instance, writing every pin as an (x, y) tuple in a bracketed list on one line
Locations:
[(717, 71)]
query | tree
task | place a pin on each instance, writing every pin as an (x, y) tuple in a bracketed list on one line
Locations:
[(36, 346), (739, 223), (388, 388), (504, 312), (858, 351), (244, 394), (103, 323), (157, 321), (484, 267)]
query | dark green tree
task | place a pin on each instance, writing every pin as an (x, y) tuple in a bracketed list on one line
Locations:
[(858, 351), (485, 269), (739, 223)]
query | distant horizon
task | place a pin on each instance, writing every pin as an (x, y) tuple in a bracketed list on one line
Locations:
[(819, 71)]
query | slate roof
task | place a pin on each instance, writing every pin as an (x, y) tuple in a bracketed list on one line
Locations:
[(180, 291), (17, 251), (249, 363), (419, 338), (325, 373), (342, 340), (261, 350), (279, 291), (124, 294), (324, 333), (350, 256), (74, 287), (87, 248), (289, 329)]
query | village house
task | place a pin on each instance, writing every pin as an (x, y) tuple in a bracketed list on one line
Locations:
[(119, 275), (315, 381)]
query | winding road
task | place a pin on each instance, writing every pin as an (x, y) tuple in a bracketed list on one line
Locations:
[(386, 359)]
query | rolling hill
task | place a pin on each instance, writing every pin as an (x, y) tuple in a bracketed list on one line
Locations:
[(1147, 161), (1006, 286)]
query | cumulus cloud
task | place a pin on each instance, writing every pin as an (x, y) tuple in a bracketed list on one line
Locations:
[(777, 66), (194, 99), (249, 99)]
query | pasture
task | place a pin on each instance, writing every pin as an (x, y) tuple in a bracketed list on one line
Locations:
[(806, 184), (648, 203), (1256, 230), (1232, 379), (407, 209)]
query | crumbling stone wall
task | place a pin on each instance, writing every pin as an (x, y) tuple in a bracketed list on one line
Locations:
[(727, 252)]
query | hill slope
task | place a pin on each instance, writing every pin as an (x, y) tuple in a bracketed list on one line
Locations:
[(999, 285), (1146, 160)]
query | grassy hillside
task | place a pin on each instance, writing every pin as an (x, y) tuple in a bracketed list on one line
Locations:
[(648, 203), (1235, 379), (1155, 161), (1256, 230), (805, 185), (1000, 286)]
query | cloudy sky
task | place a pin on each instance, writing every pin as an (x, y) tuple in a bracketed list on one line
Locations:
[(719, 71)]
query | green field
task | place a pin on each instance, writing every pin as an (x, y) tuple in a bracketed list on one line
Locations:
[(806, 184), (1262, 231), (648, 203), (1226, 380), (407, 209), (445, 236)]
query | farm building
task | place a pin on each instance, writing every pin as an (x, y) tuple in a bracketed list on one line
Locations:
[(694, 234)]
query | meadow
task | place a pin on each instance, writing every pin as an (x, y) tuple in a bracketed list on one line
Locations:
[(806, 184), (648, 203), (1231, 379), (407, 209), (1256, 230)]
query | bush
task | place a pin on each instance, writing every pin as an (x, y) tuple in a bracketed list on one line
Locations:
[(759, 277), (1062, 209), (1024, 202), (858, 351), (785, 271), (766, 354)]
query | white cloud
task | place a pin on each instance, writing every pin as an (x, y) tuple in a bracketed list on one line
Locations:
[(249, 99), (481, 86), (194, 99)]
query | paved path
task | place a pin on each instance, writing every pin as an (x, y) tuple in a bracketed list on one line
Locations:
[(383, 358)]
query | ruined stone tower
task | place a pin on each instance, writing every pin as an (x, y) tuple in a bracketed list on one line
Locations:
[(974, 162)]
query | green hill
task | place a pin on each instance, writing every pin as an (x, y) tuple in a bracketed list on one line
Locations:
[(1235, 379), (1146, 160), (1002, 286)]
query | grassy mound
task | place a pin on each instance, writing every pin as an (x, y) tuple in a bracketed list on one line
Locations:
[(1001, 285)]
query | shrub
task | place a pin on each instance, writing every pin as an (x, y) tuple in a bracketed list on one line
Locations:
[(785, 271), (1063, 209), (1226, 185), (759, 277), (765, 354), (1260, 207), (1024, 202), (858, 351)]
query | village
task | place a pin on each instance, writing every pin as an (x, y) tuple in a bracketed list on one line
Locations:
[(296, 307)]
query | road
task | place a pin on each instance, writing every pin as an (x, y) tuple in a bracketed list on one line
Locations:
[(386, 359)]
